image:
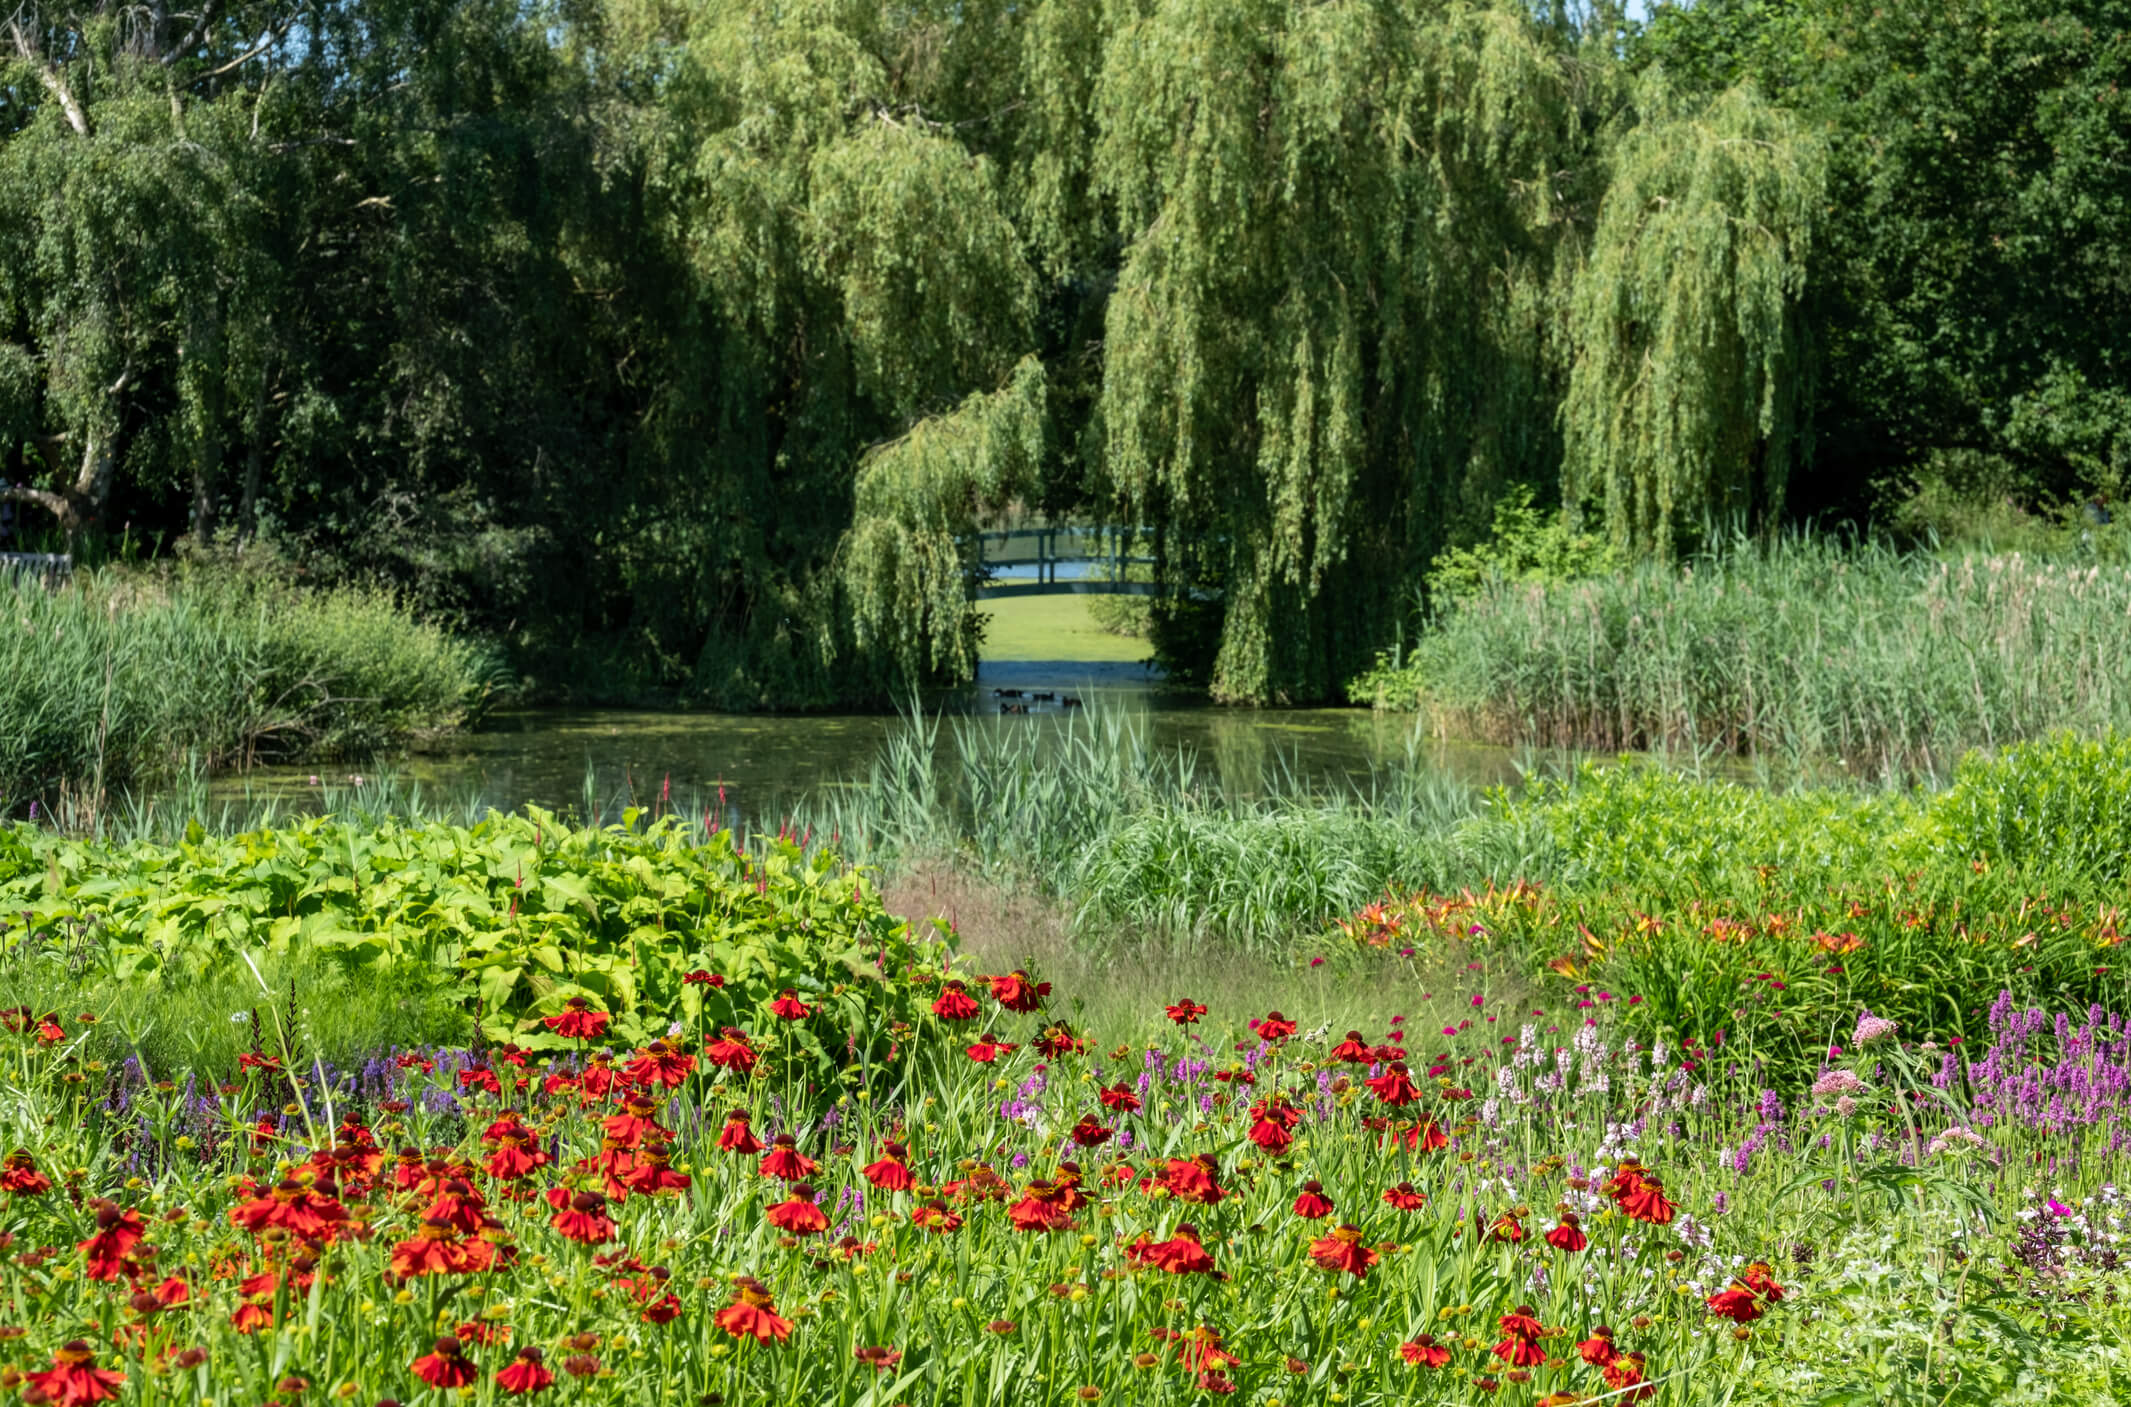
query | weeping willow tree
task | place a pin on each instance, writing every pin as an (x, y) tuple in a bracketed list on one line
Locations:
[(1330, 330), (1691, 389), (910, 556)]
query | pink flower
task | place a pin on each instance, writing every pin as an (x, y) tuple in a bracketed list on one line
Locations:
[(1872, 1028)]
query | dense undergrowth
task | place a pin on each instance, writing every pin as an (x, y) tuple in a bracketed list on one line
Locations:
[(1891, 664), (1720, 905), (390, 932), (123, 679)]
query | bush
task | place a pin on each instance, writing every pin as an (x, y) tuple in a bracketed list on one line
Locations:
[(122, 679), (2058, 809), (507, 919)]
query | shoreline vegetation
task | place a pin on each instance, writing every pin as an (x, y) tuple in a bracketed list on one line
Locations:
[(124, 680), (1805, 652)]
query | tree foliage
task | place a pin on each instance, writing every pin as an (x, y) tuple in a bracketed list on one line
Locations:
[(1692, 375), (682, 346)]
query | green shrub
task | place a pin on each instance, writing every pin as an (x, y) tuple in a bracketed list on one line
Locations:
[(2058, 809), (509, 918)]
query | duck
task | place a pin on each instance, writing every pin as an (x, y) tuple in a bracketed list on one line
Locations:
[(1069, 702), (1006, 693), (1013, 708), (1044, 698)]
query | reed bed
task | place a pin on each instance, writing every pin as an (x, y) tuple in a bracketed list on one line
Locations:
[(122, 680), (1804, 652)]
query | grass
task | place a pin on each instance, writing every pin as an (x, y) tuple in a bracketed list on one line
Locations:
[(1805, 653), (122, 680), (1053, 628)]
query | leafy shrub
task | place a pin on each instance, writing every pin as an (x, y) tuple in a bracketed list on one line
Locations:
[(2058, 808), (510, 917)]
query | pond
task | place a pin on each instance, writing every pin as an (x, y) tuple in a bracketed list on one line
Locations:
[(599, 760)]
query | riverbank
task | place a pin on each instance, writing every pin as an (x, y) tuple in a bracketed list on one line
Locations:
[(124, 679), (1804, 653)]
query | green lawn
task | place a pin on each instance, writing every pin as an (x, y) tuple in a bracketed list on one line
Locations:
[(1052, 628)]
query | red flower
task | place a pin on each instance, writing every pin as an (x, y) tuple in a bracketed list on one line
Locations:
[(1118, 1096), (253, 1060), (578, 1022), (1568, 1236), (987, 1050), (1761, 1280), (788, 1007), (1193, 1179), (1427, 1138), (1275, 1027), (1088, 1133), (49, 1029), (1185, 1012), (74, 1380), (525, 1374), (736, 1136), (1017, 992), (890, 1173), (753, 1314), (1351, 1051), (438, 1250), (1044, 1207), (954, 1003), (293, 1207), (660, 1064), (700, 978), (117, 1233), (18, 1173), (1598, 1350), (1058, 1041), (1506, 1228), (799, 1215), (581, 1216), (1343, 1250), (936, 1217), (1393, 1087), (1201, 1352), (445, 1368), (638, 1119), (785, 1162), (1312, 1204), (1424, 1352), (1404, 1198), (1181, 1254), (880, 1360), (1520, 1344), (1737, 1304), (731, 1051), (1626, 1372), (653, 1173), (1638, 1192), (480, 1078)]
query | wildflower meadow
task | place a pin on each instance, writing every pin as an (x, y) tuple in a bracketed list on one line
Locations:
[(1489, 1197)]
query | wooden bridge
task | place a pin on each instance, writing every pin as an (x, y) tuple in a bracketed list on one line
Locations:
[(1062, 561)]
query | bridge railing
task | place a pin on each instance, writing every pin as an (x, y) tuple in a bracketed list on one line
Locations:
[(1043, 551)]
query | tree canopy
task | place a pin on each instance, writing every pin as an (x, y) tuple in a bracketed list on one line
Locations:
[(683, 347)]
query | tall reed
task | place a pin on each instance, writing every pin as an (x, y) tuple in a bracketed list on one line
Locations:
[(1890, 664), (120, 678)]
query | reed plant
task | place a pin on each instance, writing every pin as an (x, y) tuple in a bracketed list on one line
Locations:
[(122, 679), (1805, 652)]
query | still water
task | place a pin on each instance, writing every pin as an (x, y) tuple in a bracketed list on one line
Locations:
[(603, 759)]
